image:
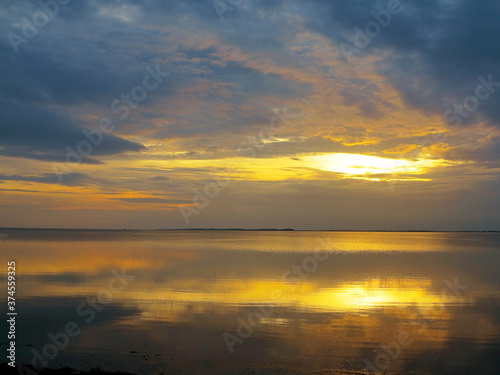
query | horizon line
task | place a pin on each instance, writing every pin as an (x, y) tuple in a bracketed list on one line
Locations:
[(252, 229)]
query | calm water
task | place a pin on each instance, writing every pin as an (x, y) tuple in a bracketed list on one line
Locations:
[(227, 302)]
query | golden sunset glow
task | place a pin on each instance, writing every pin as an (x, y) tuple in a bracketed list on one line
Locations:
[(364, 166), (137, 140), (250, 187)]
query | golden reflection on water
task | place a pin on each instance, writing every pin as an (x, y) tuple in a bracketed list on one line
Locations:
[(371, 294), (198, 276), (304, 295), (90, 257), (373, 286)]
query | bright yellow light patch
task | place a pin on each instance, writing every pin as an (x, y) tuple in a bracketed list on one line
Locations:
[(364, 166)]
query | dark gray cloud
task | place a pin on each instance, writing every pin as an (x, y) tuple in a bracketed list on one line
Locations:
[(489, 153), (35, 121), (436, 50), (64, 278), (31, 131), (69, 179)]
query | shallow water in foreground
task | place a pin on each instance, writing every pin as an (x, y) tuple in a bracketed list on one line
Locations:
[(234, 302)]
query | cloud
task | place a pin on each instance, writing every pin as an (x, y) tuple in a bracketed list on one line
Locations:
[(48, 103), (401, 149), (69, 179), (153, 200), (36, 119), (489, 152)]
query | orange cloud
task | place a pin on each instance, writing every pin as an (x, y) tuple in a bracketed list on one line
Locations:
[(401, 149)]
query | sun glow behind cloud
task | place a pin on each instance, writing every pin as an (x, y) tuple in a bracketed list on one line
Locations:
[(367, 167)]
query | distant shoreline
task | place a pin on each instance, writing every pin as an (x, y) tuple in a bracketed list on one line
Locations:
[(258, 230)]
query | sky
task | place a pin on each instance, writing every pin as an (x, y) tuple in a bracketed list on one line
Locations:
[(360, 114)]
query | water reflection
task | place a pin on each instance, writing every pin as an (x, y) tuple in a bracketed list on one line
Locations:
[(191, 287)]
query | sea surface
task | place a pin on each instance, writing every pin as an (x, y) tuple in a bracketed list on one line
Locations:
[(255, 302)]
